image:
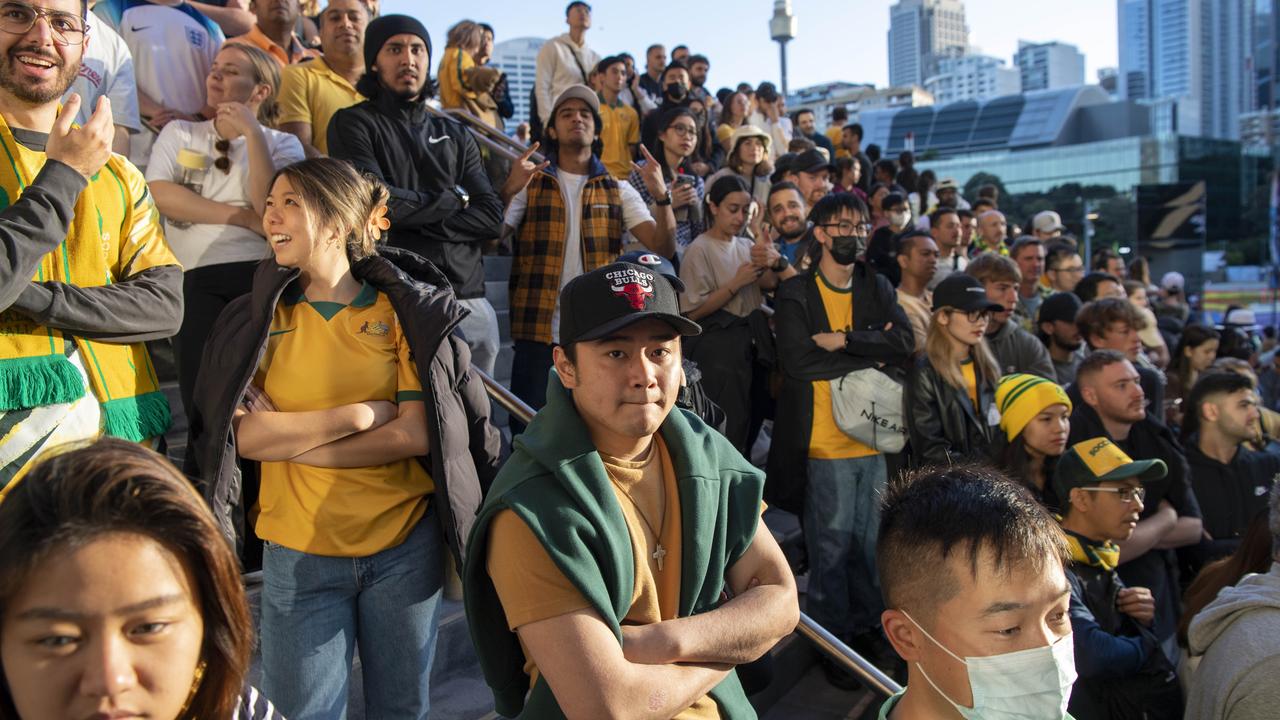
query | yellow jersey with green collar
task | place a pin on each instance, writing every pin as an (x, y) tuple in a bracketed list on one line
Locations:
[(321, 355)]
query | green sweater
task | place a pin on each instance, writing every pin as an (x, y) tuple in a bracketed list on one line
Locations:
[(556, 483)]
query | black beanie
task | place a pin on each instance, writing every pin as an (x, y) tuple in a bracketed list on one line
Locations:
[(384, 28)]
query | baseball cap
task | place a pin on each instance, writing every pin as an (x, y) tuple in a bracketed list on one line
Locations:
[(785, 163), (810, 161), (654, 262), (603, 301), (578, 92), (1047, 221), (1062, 306), (1097, 460), (963, 292), (1173, 280)]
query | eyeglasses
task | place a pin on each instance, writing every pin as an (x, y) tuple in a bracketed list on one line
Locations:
[(19, 18), (223, 162), (974, 316), (684, 130), (847, 228), (1127, 495)]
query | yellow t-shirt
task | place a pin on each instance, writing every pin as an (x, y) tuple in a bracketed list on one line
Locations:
[(723, 133), (827, 441), (319, 356), (836, 136), (453, 64), (532, 588), (620, 133), (970, 381), (311, 92)]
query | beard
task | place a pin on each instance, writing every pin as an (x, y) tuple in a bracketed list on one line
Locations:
[(798, 233), (26, 89)]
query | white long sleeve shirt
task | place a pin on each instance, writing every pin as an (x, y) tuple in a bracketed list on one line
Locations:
[(561, 63)]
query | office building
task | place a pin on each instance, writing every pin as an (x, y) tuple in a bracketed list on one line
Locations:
[(518, 58), (972, 77), (920, 33), (1048, 66)]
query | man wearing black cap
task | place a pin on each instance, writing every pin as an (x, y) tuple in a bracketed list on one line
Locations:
[(813, 175), (1061, 335), (602, 551), (568, 216), (1122, 673), (442, 205)]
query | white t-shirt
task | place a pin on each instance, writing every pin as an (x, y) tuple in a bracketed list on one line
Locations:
[(201, 244), (173, 49), (708, 265), (107, 70), (634, 212)]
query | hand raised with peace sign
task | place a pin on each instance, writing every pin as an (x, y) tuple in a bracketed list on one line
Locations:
[(651, 174)]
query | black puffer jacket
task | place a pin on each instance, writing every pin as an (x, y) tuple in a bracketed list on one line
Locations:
[(464, 446), (942, 424)]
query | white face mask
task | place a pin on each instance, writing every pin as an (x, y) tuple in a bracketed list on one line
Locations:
[(1030, 684), (900, 219)]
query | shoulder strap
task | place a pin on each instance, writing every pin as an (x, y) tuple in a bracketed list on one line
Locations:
[(577, 61)]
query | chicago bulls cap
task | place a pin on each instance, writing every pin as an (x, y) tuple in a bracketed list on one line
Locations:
[(602, 302)]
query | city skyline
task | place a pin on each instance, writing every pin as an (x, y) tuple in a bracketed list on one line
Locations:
[(747, 54)]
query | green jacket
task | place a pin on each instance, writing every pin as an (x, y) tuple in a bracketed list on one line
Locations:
[(556, 482)]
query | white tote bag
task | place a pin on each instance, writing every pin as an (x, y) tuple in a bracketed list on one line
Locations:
[(867, 405)]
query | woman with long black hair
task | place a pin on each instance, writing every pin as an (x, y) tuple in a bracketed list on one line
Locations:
[(673, 148)]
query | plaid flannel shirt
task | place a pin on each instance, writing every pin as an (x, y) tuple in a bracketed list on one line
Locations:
[(540, 246)]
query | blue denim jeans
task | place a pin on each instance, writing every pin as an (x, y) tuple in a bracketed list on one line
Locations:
[(841, 521), (317, 609)]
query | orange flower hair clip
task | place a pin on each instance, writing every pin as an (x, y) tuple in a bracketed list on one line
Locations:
[(378, 222)]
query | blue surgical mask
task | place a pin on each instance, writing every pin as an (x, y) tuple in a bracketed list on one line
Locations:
[(1030, 684)]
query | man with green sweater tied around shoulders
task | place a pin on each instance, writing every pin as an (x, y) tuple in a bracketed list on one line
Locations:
[(602, 556)]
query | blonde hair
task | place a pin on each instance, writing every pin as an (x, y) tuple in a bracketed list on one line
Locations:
[(943, 357), (266, 71), (466, 35), (341, 198)]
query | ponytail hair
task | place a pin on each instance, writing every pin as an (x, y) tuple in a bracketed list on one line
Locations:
[(342, 199), (266, 71)]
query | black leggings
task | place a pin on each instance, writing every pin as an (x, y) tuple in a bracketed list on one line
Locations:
[(206, 291)]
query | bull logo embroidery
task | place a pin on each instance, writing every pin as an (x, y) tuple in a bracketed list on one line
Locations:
[(635, 287)]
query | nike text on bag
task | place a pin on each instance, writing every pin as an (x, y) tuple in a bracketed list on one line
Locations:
[(867, 405)]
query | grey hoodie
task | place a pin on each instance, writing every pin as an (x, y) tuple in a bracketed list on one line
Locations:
[(1239, 635)]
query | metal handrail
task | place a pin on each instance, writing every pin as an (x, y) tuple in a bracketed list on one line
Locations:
[(480, 126), (486, 135), (868, 674)]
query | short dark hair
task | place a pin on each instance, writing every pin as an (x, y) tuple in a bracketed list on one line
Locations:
[(855, 128), (785, 185), (1102, 256), (655, 46), (1208, 386), (795, 116), (970, 510), (1087, 288), (904, 242), (1094, 362), (678, 48), (976, 207), (1096, 316), (935, 217), (1056, 252), (695, 59), (1025, 241), (891, 199), (965, 213), (832, 205), (603, 66), (988, 191), (575, 4), (887, 165), (674, 65), (839, 113)]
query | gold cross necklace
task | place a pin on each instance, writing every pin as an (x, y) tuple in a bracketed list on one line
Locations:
[(659, 552)]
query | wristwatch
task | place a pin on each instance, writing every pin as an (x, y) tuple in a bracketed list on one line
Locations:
[(665, 200), (463, 196), (781, 265)]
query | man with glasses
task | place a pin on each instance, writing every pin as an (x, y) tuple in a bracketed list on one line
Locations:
[(842, 316), (1111, 405), (1122, 672), (1063, 267), (83, 285)]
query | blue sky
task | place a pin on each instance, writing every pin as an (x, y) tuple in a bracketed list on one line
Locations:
[(837, 39)]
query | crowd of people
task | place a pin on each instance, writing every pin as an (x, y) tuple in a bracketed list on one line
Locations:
[(1030, 483)]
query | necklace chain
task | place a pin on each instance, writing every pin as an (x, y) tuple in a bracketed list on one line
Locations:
[(659, 552)]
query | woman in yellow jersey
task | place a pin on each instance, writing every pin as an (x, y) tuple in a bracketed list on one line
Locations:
[(1035, 417), (339, 374), (464, 83), (118, 596), (950, 393), (724, 276)]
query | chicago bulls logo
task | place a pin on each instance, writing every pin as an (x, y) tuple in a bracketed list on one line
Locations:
[(634, 286)]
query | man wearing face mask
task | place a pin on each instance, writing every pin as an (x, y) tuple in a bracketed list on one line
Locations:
[(971, 567), (1123, 674), (840, 317), (880, 250), (675, 93)]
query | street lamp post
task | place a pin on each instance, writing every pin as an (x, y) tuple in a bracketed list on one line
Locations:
[(783, 29)]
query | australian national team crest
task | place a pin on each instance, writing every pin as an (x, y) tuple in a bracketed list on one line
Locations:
[(635, 286)]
